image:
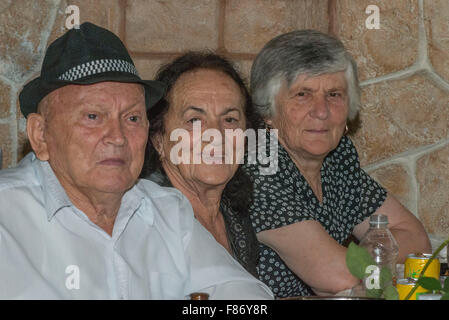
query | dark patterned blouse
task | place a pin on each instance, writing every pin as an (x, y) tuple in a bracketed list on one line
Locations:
[(241, 235), (349, 196)]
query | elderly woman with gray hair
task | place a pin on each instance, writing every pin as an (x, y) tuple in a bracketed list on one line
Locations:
[(304, 84)]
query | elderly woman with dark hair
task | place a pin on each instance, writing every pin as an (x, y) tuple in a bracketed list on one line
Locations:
[(205, 90), (304, 84)]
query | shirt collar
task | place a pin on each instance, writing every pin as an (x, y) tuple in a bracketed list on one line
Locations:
[(55, 197), (145, 208)]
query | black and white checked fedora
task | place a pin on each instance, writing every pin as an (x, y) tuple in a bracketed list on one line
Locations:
[(87, 55)]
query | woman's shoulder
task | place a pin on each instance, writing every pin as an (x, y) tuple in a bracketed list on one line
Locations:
[(277, 166)]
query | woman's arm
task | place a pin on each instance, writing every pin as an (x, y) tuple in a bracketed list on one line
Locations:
[(405, 227), (320, 261), (313, 255)]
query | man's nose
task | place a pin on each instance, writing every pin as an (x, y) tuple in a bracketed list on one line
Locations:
[(115, 134), (320, 108)]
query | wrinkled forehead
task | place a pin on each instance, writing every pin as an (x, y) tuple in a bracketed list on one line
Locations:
[(66, 98), (331, 80), (206, 84)]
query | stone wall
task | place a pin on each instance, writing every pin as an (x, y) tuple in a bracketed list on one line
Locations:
[(402, 134)]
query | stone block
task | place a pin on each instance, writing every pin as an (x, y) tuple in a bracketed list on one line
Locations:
[(250, 24), (432, 173), (397, 181), (5, 144), (171, 26), (105, 13), (148, 67), (23, 145), (392, 47), (400, 115), (19, 115), (437, 29), (23, 24), (5, 100)]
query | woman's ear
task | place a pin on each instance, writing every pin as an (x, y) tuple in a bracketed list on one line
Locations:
[(269, 122), (36, 136), (156, 140)]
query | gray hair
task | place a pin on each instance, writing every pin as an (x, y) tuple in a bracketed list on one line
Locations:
[(296, 53)]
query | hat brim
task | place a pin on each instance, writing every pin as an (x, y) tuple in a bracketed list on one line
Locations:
[(33, 92)]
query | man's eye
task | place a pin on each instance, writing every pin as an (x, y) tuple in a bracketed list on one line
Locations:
[(335, 94), (301, 94), (134, 118), (92, 116)]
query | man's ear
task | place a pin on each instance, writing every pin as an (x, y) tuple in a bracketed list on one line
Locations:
[(36, 135), (156, 140)]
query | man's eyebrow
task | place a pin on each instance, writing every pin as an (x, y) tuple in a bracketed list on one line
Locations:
[(90, 103), (137, 103)]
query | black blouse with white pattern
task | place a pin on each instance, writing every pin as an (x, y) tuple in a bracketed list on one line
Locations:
[(349, 196)]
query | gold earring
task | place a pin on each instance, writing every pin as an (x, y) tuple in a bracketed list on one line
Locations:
[(346, 130), (267, 127)]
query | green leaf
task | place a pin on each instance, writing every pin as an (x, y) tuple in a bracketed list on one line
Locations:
[(385, 277), (391, 293), (429, 283), (373, 293), (357, 260), (445, 296)]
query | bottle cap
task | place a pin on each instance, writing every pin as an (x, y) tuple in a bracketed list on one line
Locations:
[(378, 219), (199, 296)]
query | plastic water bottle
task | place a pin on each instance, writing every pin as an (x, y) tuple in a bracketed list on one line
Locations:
[(381, 244)]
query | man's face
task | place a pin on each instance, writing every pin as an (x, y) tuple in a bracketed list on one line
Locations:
[(96, 135)]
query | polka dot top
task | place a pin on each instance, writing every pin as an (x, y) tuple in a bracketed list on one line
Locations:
[(349, 196)]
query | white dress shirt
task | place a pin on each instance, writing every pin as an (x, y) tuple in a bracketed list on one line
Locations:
[(50, 250)]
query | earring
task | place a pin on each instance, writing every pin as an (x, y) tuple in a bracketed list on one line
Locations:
[(346, 130), (267, 127)]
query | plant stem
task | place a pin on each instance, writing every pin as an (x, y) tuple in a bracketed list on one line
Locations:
[(445, 243)]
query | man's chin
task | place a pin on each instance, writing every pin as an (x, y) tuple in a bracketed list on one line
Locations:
[(115, 186)]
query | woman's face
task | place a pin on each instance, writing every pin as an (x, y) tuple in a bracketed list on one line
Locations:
[(311, 115), (202, 100)]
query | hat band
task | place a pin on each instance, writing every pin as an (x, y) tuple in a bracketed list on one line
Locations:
[(98, 66)]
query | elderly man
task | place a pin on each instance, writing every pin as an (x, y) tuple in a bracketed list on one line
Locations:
[(75, 221)]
